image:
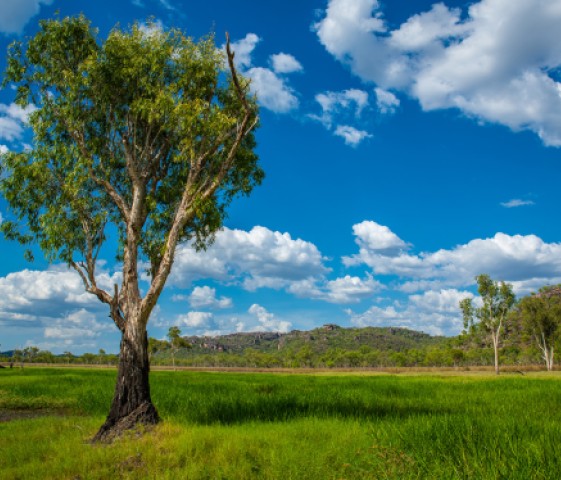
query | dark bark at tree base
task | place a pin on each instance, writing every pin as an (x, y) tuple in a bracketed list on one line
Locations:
[(132, 405), (143, 416)]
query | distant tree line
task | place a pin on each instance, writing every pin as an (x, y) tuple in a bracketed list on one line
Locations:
[(498, 330)]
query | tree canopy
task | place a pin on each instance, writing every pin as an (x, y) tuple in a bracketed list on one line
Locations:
[(143, 131), (541, 317), (497, 300), (148, 136)]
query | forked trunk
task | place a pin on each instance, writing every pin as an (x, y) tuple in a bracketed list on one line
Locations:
[(132, 405)]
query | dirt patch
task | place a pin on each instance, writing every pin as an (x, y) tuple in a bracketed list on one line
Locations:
[(7, 415)]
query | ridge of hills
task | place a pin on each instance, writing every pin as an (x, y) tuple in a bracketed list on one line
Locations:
[(320, 340)]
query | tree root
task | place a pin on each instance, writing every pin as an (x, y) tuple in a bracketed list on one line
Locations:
[(143, 416)]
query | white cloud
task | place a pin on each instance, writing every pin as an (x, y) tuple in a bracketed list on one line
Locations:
[(13, 118), (435, 312), (258, 258), (37, 297), (267, 320), (14, 14), (347, 289), (516, 202), (272, 91), (350, 289), (351, 135), (10, 129), (197, 320), (77, 325), (16, 112), (386, 101), (205, 297), (379, 238), (496, 62), (341, 107), (335, 105), (428, 29), (243, 50), (285, 63), (3, 149), (519, 259)]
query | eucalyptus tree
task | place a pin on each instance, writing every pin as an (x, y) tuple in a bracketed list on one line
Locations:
[(497, 300), (541, 318), (147, 133), (176, 342)]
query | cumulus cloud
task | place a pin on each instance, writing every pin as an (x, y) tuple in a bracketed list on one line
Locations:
[(519, 259), (340, 105), (34, 297), (495, 62), (375, 237), (285, 63), (435, 312), (272, 90), (78, 325), (347, 289), (258, 258), (14, 14), (205, 297), (196, 320), (267, 321), (13, 119), (243, 49), (516, 202), (351, 135)]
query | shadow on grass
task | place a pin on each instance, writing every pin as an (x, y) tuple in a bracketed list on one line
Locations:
[(269, 410)]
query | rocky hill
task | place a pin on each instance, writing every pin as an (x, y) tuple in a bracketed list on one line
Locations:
[(320, 340)]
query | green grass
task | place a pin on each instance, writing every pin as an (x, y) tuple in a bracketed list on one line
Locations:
[(244, 426)]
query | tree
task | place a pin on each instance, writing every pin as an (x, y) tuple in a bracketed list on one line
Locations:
[(101, 356), (30, 353), (497, 301), (541, 317), (176, 342), (148, 131), (69, 357), (155, 346)]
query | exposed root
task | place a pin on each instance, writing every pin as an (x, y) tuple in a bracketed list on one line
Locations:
[(143, 416)]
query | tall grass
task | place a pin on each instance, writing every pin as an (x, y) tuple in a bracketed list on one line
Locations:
[(240, 426)]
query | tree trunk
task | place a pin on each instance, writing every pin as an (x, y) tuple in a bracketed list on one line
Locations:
[(496, 348), (132, 405), (549, 359)]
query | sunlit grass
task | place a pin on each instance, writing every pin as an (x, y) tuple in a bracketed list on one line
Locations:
[(240, 426)]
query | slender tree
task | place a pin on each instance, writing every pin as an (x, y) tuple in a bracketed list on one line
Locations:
[(541, 318), (147, 131), (497, 300), (176, 342)]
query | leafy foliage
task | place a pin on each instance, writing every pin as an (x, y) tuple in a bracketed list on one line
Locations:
[(541, 317), (155, 108)]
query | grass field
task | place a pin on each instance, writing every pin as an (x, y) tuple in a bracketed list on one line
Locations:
[(274, 426)]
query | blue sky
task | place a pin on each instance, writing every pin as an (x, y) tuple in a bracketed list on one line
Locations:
[(408, 147)]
